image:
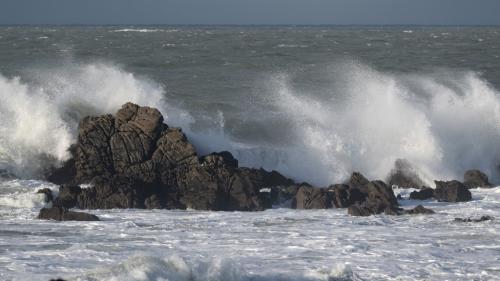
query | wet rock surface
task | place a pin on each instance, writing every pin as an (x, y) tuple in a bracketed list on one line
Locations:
[(59, 213)]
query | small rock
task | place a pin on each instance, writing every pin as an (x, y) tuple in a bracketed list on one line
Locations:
[(62, 214), (476, 178), (451, 191), (483, 218), (423, 194)]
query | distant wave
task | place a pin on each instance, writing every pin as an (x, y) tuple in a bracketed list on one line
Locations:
[(144, 30)]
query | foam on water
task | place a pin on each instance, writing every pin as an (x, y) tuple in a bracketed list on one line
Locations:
[(278, 244)]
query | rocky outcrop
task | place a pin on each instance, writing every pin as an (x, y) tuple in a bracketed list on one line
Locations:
[(134, 160), (451, 191), (423, 194), (59, 213), (476, 178)]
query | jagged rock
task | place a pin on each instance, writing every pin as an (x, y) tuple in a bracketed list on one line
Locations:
[(62, 214), (133, 160), (357, 180), (419, 210), (423, 194), (404, 175), (379, 198), (114, 193), (48, 194), (476, 178), (481, 219), (451, 191), (309, 197), (345, 195)]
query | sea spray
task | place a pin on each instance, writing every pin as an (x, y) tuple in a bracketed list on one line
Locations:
[(441, 122)]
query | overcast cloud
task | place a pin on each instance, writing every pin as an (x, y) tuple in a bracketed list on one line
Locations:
[(442, 12)]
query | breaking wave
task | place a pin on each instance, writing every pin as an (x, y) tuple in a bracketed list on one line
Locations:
[(140, 267), (442, 122)]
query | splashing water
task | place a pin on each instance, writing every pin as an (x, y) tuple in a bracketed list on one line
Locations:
[(441, 123)]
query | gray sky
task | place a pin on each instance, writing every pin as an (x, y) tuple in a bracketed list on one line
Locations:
[(447, 12)]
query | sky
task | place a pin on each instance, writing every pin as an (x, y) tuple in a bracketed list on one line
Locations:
[(342, 12)]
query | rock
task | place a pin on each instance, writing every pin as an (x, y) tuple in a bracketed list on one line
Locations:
[(309, 197), (404, 175), (357, 180), (48, 194), (68, 195), (379, 198), (345, 195), (62, 214), (451, 191), (423, 194), (114, 193), (481, 219), (134, 160), (67, 172), (280, 195), (476, 178), (394, 211), (419, 210)]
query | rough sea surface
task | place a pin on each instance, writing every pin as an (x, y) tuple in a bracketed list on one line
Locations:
[(315, 103)]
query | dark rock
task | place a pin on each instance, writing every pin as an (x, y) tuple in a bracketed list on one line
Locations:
[(62, 214), (48, 194), (476, 178), (399, 197), (395, 211), (133, 160), (419, 210), (67, 172), (280, 195), (379, 197), (345, 195), (308, 197), (451, 191), (113, 193), (481, 219), (404, 175), (68, 195), (423, 194), (357, 180)]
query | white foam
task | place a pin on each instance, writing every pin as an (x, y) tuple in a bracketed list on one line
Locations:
[(40, 118)]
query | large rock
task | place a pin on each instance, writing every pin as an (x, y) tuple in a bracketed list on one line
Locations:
[(379, 197), (134, 160), (309, 197), (59, 213), (451, 191), (476, 178)]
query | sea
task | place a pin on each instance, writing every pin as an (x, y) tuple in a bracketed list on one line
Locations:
[(315, 103)]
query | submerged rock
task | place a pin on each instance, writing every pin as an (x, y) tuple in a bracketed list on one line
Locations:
[(62, 214), (481, 219), (451, 191), (476, 178)]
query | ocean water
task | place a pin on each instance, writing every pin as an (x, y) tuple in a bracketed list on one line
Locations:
[(314, 103)]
